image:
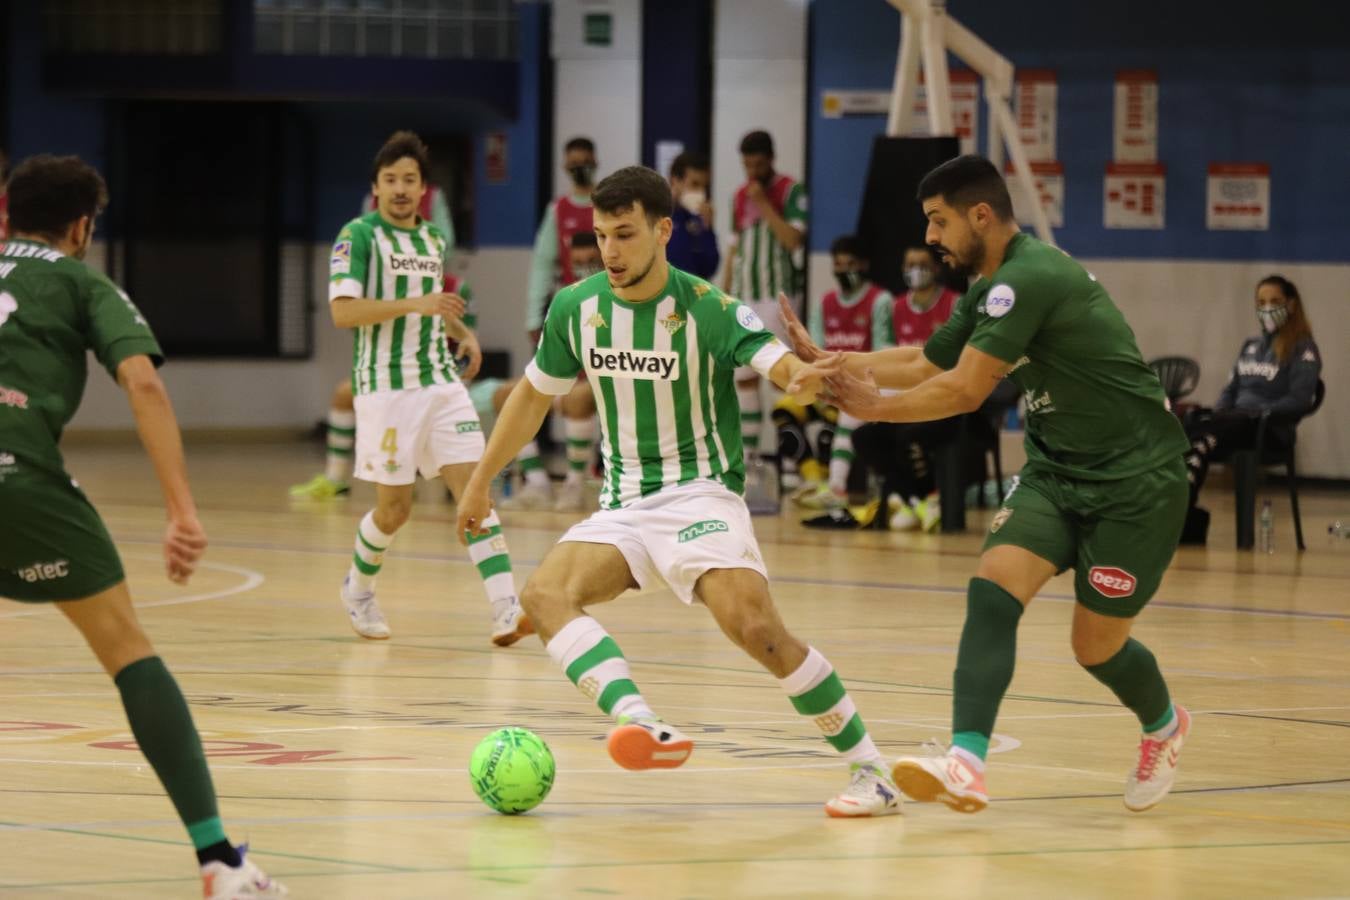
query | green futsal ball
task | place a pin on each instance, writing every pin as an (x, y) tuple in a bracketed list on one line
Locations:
[(512, 770)]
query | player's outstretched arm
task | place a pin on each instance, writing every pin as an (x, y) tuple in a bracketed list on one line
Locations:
[(517, 423), (184, 538), (950, 393), (901, 368), (354, 312)]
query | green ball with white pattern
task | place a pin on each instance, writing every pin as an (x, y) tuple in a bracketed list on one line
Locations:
[(512, 770)]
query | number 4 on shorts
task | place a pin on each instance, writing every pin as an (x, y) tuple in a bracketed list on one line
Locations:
[(389, 444)]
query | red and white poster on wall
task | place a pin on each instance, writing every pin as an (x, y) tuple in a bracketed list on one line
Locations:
[(1049, 178), (964, 87), (1134, 195), (1034, 106), (1238, 197), (1136, 116)]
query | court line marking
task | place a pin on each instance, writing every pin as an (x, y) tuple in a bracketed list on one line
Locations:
[(868, 585), (252, 579), (388, 871)]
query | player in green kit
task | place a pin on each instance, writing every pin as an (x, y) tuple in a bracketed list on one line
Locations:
[(413, 414), (659, 348), (54, 547), (1104, 491)]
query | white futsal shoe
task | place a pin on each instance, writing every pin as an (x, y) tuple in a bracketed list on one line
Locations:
[(509, 622), (1152, 778), (245, 882), (364, 613), (870, 792)]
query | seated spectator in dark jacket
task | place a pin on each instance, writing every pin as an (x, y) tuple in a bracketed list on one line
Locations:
[(1275, 372)]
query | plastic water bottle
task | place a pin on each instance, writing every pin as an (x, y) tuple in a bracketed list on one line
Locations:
[(1267, 528), (1339, 530)]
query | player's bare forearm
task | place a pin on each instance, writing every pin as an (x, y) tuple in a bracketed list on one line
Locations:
[(901, 368), (355, 312), (960, 390), (516, 424), (786, 371), (157, 427)]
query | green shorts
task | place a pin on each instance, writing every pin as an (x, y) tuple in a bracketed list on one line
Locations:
[(53, 545), (1118, 536)]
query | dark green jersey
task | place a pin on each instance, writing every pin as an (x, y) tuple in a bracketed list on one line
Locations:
[(1095, 410), (53, 310)]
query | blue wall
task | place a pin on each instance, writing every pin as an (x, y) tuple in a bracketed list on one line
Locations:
[(346, 134), (1236, 84)]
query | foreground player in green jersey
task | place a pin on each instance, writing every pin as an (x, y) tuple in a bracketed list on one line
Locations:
[(1104, 490), (54, 547), (659, 348), (413, 414)]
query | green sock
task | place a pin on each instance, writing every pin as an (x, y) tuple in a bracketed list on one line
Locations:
[(1133, 676), (984, 663), (163, 728)]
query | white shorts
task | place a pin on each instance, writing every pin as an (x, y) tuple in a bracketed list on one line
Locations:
[(401, 433), (677, 535)]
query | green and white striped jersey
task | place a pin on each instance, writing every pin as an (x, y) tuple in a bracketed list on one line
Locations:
[(662, 374), (375, 260), (760, 265)]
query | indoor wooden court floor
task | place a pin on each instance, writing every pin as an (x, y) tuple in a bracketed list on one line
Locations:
[(343, 761)]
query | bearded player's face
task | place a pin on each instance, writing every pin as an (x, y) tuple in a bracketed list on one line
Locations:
[(398, 191), (954, 235), (629, 243)]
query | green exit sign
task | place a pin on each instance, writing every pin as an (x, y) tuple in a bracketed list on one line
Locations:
[(599, 29)]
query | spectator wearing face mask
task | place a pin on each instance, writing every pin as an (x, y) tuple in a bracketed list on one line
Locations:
[(911, 320), (844, 319), (1276, 371), (551, 265), (693, 243)]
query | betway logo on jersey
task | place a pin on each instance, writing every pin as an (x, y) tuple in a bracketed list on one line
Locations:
[(845, 340), (412, 264), (1250, 367), (644, 365), (1110, 581), (699, 529)]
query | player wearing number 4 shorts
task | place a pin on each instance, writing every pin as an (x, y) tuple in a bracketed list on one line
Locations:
[(659, 348), (412, 412), (1103, 493), (54, 547)]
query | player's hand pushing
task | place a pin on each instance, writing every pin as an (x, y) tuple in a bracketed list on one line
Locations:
[(798, 336), (471, 351), (184, 544), (447, 306), (473, 508)]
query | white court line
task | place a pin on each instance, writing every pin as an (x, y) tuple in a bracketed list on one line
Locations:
[(458, 770), (251, 580)]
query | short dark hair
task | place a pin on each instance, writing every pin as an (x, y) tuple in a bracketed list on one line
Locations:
[(689, 159), (579, 143), (47, 194), (965, 181), (399, 145), (757, 142), (585, 239), (618, 192), (848, 243)]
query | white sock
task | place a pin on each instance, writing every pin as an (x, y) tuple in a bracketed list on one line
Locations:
[(489, 554), (817, 693), (595, 664), (341, 444), (371, 544), (531, 466), (580, 436)]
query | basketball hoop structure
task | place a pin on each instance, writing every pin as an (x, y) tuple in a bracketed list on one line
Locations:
[(926, 34)]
